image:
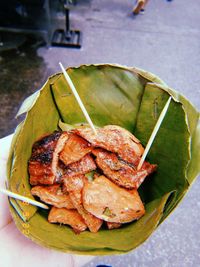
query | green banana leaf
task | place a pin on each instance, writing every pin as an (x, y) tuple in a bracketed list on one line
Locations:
[(112, 94)]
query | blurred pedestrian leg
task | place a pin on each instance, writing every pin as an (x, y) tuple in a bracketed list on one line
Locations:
[(139, 6)]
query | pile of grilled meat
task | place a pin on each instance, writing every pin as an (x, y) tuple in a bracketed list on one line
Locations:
[(89, 178)]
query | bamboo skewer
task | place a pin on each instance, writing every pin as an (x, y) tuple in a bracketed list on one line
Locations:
[(74, 91), (22, 198), (153, 135)]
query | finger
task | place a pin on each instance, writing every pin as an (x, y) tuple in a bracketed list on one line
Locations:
[(5, 146), (4, 212), (4, 208), (14, 247)]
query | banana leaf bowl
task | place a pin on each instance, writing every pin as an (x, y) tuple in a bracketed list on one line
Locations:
[(113, 94)]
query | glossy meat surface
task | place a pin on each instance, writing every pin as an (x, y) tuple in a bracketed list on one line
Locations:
[(74, 186), (121, 172), (115, 139), (53, 195), (85, 165), (109, 202), (74, 149), (43, 164), (70, 217)]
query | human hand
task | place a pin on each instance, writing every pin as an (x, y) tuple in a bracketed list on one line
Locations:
[(16, 249)]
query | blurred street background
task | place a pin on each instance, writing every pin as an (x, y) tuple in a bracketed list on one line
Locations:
[(164, 39)]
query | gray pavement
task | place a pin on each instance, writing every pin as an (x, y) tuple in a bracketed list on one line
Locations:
[(166, 41)]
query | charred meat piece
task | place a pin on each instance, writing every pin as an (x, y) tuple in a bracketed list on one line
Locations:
[(111, 225), (44, 159), (74, 149), (115, 139), (70, 217), (109, 202), (85, 165), (53, 195), (74, 186), (121, 172)]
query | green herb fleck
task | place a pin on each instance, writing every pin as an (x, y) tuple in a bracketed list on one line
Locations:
[(107, 212), (90, 176)]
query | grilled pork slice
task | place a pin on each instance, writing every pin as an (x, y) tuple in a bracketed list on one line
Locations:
[(53, 195), (85, 165), (70, 217), (43, 164), (74, 149), (111, 225), (75, 186), (109, 202), (115, 139), (121, 172)]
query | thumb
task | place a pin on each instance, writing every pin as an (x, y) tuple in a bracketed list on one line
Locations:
[(5, 216)]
